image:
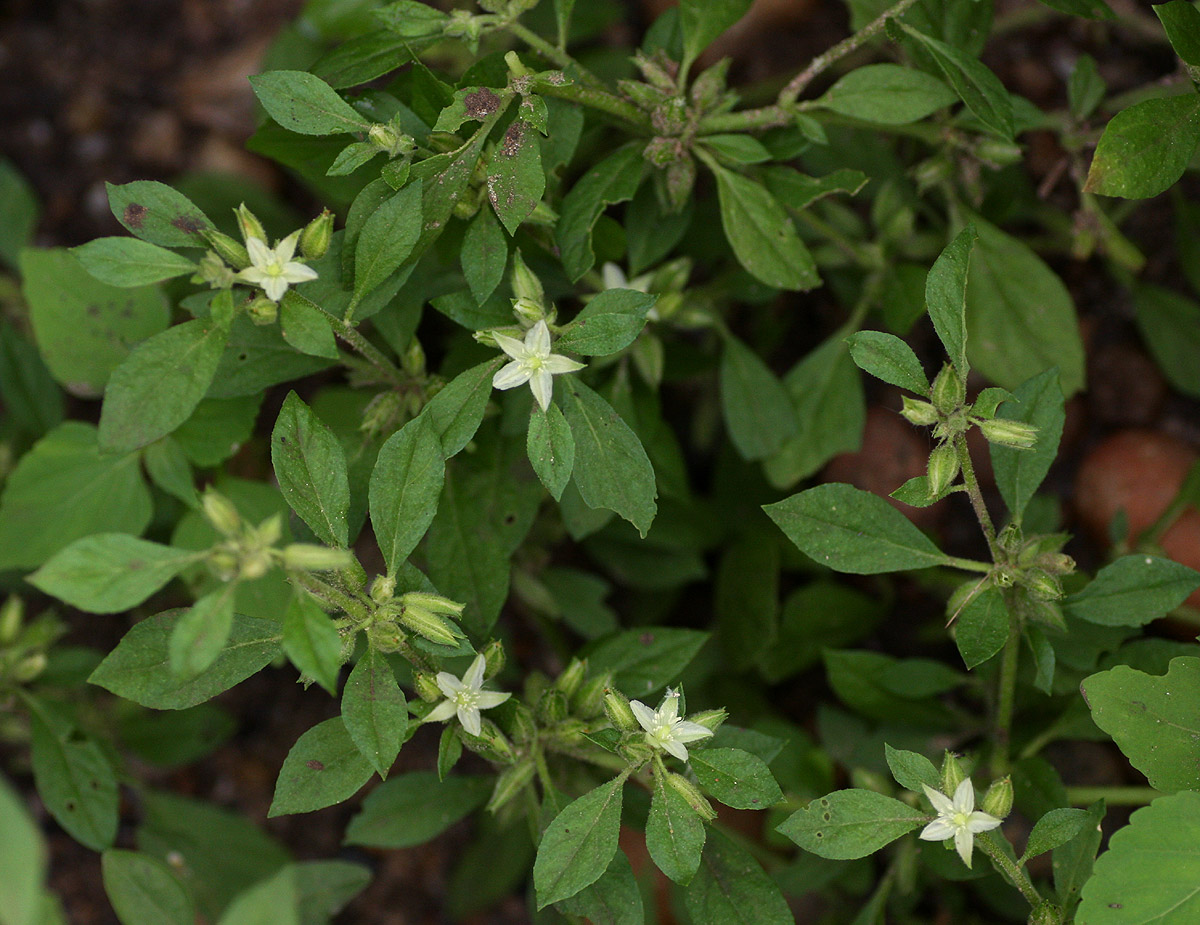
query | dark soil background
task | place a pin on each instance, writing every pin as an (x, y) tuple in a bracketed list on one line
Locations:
[(117, 90)]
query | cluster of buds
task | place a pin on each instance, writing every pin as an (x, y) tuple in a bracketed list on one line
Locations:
[(248, 552), (23, 644), (429, 616)]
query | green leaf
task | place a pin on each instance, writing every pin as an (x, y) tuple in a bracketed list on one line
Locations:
[(1170, 327), (1182, 22), (646, 659), (109, 572), (551, 449), (1073, 861), (484, 255), (83, 327), (31, 396), (887, 357), (325, 887), (745, 599), (609, 322), (703, 20), (304, 103), (18, 213), (736, 148), (157, 387), (1152, 719), (578, 845), (273, 901), (674, 833), (404, 489), (217, 428), (312, 642), (946, 297), (75, 782), (850, 530), (611, 470), (374, 710), (201, 633), (850, 824), (387, 239), (1020, 316), (159, 214), (1146, 148), (143, 889), (982, 627), (411, 809), (735, 777), (1055, 828), (170, 469), (615, 179), (797, 191), (456, 411), (310, 467), (887, 94), (138, 668), (324, 767), (64, 489), (1019, 472), (306, 327), (1132, 591), (1150, 870), (758, 411), (22, 858), (976, 86), (730, 888), (128, 262), (614, 899), (912, 770), (516, 180), (762, 236)]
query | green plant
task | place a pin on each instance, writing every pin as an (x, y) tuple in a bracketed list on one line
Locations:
[(614, 231)]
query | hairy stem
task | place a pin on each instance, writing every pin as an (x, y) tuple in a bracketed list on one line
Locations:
[(1006, 687), (972, 484), (989, 844)]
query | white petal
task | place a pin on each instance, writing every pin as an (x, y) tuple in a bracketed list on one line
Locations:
[(676, 749), (557, 363), (298, 273), (274, 287), (261, 256), (510, 345), (470, 720), (488, 699), (644, 715), (686, 731), (285, 248), (509, 377), (448, 684), (537, 340), (668, 710), (252, 275), (941, 803), (964, 796), (938, 830), (981, 822), (963, 840), (474, 676), (442, 712), (613, 276), (543, 388)]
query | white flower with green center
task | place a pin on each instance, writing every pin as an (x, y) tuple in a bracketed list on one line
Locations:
[(272, 268), (664, 729), (957, 818), (465, 697), (532, 362)]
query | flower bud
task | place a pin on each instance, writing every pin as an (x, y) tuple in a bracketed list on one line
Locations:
[(231, 250), (636, 751), (387, 637), (12, 614), (433, 602), (254, 563), (382, 414), (1015, 434), (522, 725), (998, 800), (618, 711), (943, 468), (509, 783), (221, 513), (516, 68), (431, 626), (952, 773), (710, 719), (588, 700), (999, 153), (1057, 563), (494, 657), (28, 668), (1042, 585), (224, 564), (552, 707), (426, 687), (679, 178), (412, 361), (308, 557), (919, 413), (572, 676), (491, 743), (382, 589), (317, 235), (528, 311), (709, 87), (695, 799), (262, 311), (249, 225), (948, 390), (1046, 913)]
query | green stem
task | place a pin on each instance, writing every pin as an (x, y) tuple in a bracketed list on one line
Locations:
[(322, 590), (598, 99), (1113, 796), (973, 492), (969, 565), (821, 62), (552, 53), (372, 354), (989, 844), (1006, 688)]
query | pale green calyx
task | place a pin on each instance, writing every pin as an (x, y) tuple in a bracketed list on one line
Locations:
[(532, 362), (664, 729), (957, 818), (465, 697)]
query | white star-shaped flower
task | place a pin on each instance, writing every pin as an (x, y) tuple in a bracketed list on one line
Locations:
[(272, 268), (465, 697), (957, 818), (664, 728), (532, 362)]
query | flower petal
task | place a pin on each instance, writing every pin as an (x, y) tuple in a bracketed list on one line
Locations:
[(509, 377), (285, 248), (448, 684), (469, 717), (686, 731), (485, 700), (298, 272), (964, 796), (537, 340), (274, 287), (668, 710), (556, 363), (981, 822), (676, 749), (938, 830), (543, 387), (260, 255), (963, 842), (510, 345), (941, 803), (474, 676), (644, 715), (442, 712)]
